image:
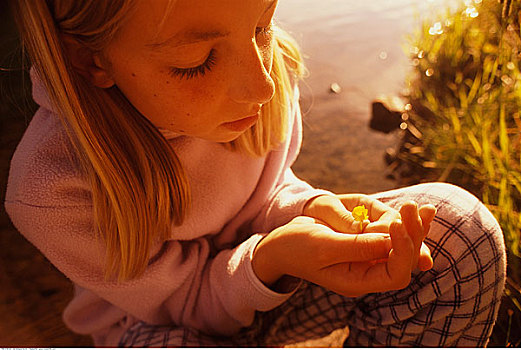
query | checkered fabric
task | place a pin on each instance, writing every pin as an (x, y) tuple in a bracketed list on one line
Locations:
[(454, 304)]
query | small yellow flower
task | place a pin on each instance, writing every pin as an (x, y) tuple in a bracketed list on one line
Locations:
[(360, 214)]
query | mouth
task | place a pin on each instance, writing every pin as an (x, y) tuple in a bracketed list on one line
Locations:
[(242, 124)]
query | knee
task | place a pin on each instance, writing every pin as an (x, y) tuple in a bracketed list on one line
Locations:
[(456, 203), (465, 235), (446, 192), (462, 224)]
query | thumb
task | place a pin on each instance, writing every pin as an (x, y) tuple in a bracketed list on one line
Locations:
[(343, 248), (341, 220)]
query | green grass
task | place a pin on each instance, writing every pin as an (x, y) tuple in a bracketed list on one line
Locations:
[(464, 118)]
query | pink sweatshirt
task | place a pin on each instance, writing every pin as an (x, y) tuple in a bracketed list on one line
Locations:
[(202, 277)]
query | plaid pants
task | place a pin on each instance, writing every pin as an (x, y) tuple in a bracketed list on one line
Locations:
[(453, 304)]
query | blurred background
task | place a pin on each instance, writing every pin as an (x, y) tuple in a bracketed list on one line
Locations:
[(399, 92)]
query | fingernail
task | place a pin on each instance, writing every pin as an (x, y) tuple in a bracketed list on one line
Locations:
[(398, 231), (394, 223)]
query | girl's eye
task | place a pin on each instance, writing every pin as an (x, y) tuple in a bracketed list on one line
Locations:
[(189, 73), (193, 72)]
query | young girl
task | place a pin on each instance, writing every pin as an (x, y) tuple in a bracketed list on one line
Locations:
[(156, 176)]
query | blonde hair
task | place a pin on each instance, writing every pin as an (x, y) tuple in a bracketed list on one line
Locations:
[(139, 188)]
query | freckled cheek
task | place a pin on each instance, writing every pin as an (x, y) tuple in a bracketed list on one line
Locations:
[(176, 106), (201, 97), (185, 104)]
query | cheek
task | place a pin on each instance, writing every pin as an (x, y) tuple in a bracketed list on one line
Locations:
[(197, 99), (197, 95), (186, 104), (172, 102)]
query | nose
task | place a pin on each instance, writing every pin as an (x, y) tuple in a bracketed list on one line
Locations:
[(251, 81)]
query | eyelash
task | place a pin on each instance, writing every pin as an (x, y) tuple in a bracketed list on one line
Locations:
[(190, 73)]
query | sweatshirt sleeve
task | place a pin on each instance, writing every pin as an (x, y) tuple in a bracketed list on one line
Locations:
[(187, 282), (183, 284)]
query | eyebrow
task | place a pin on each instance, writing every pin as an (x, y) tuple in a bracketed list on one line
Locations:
[(195, 36), (189, 37)]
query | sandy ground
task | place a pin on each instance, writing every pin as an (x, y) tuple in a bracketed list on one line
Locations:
[(339, 153)]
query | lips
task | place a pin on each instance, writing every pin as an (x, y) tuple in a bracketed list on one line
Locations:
[(242, 124)]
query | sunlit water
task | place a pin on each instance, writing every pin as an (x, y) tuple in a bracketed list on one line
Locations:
[(361, 46)]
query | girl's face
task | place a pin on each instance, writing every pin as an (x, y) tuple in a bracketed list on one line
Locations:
[(200, 73)]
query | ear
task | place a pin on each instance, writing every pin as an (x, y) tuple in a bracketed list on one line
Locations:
[(87, 63)]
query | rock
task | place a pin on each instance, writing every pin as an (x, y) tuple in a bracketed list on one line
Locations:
[(335, 88), (384, 119)]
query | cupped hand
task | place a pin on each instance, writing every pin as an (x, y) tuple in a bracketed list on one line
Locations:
[(348, 264), (335, 212)]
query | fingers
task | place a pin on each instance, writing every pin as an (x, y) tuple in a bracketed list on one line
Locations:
[(416, 222), (336, 212), (364, 263), (413, 225), (333, 247), (303, 220), (361, 278), (427, 214), (425, 262), (391, 274), (401, 256), (376, 208), (345, 247), (331, 210), (378, 226), (371, 246)]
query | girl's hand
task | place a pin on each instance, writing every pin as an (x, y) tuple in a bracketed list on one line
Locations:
[(335, 211), (348, 264)]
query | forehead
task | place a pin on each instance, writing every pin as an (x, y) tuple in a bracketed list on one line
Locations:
[(156, 21)]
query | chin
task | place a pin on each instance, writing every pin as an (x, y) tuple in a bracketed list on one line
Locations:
[(223, 138), (229, 139)]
